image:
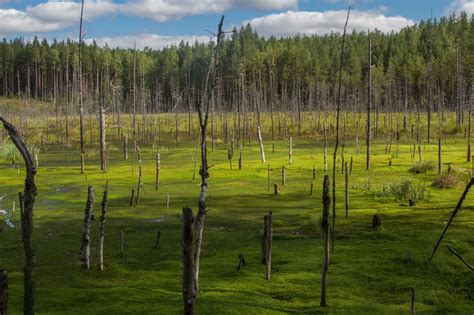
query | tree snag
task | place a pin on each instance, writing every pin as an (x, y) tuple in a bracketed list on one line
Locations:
[(86, 235), (325, 228), (456, 210), (189, 294), (102, 220), (27, 200)]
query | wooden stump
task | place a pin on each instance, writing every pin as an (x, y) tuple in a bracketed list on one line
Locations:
[(276, 189), (376, 221)]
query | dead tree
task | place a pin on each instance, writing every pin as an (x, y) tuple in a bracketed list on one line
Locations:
[(369, 102), (346, 181), (259, 135), (325, 228), (203, 114), (267, 244), (469, 122), (290, 151), (27, 201), (125, 148), (102, 220), (3, 292), (86, 235), (325, 147), (336, 146), (158, 166), (412, 301), (103, 144), (456, 210), (81, 96), (189, 295)]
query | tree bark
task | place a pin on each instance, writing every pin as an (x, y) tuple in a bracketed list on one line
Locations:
[(27, 200), (325, 228), (268, 230), (3, 292), (86, 235), (102, 220), (189, 295), (103, 144)]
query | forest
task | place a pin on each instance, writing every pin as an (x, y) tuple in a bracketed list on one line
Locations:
[(245, 175)]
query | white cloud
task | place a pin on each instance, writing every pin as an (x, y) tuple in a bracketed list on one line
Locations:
[(304, 22), (14, 21), (459, 6), (164, 10), (153, 41), (69, 11)]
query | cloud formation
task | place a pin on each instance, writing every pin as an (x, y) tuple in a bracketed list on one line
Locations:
[(458, 6), (305, 22)]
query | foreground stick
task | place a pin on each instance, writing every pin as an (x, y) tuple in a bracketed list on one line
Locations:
[(27, 200), (189, 295), (325, 228), (203, 113), (456, 210), (461, 258), (336, 146)]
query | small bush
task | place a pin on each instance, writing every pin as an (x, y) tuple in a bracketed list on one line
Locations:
[(405, 190), (422, 167), (446, 181), (453, 130)]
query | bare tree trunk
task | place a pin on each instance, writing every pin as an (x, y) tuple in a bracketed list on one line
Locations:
[(27, 200), (103, 144), (189, 295), (469, 124), (125, 148), (86, 236), (325, 148), (325, 228), (102, 220), (268, 230), (412, 301), (336, 146), (81, 98), (203, 113), (346, 177), (290, 151), (157, 178), (369, 103)]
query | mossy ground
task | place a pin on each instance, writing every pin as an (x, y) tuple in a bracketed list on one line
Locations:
[(368, 271)]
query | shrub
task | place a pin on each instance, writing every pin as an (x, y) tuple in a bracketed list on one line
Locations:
[(405, 190), (446, 181), (422, 167)]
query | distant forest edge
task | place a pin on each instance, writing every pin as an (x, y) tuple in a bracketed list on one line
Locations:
[(416, 69)]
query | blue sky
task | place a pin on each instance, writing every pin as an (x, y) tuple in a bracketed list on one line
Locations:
[(157, 23)]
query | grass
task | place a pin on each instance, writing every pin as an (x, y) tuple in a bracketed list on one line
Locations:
[(369, 272)]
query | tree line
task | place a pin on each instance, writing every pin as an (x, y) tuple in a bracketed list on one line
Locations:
[(415, 69)]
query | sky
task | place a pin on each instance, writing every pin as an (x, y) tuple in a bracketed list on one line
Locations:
[(160, 23)]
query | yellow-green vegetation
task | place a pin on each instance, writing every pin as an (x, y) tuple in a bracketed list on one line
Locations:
[(371, 270)]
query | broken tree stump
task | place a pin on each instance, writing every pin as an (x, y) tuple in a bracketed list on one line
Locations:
[(102, 220), (241, 262), (283, 175), (132, 198), (268, 231), (276, 189), (376, 221), (189, 295), (86, 235), (158, 238)]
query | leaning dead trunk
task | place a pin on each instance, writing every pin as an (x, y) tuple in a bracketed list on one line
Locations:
[(102, 220), (268, 235), (86, 236), (27, 200)]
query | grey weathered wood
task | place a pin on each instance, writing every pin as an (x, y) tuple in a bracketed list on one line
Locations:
[(325, 229), (102, 220), (27, 200), (283, 175), (456, 210), (268, 230), (189, 294), (103, 143), (86, 234)]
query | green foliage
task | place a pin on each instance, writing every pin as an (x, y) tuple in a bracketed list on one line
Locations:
[(404, 190)]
